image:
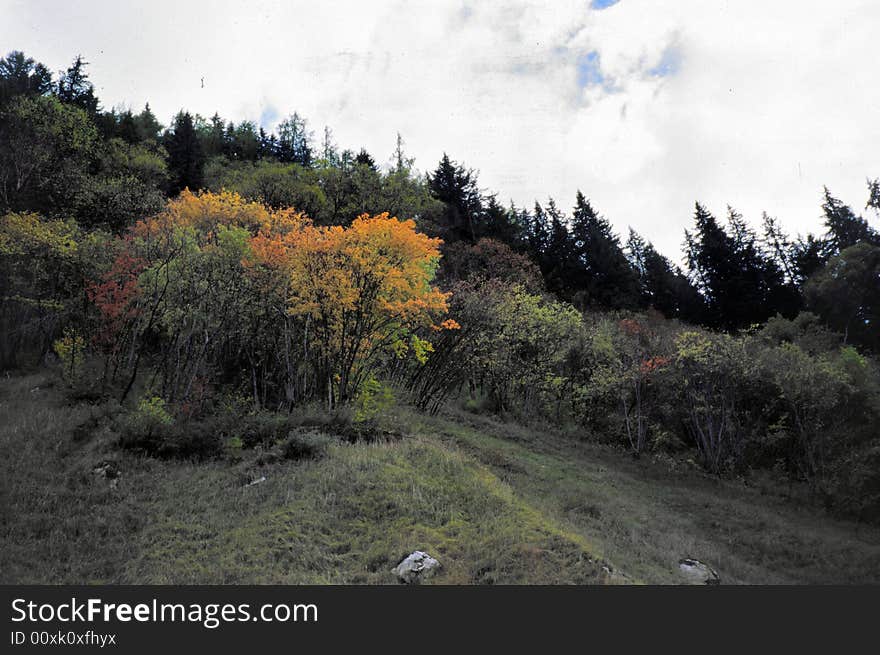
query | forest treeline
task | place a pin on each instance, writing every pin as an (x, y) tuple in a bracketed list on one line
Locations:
[(210, 268)]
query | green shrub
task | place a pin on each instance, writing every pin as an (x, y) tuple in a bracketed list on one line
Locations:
[(71, 348), (374, 399), (305, 444), (259, 429), (152, 430)]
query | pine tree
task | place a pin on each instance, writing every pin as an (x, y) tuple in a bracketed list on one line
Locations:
[(185, 156), (537, 235), (74, 88), (329, 151), (874, 194), (742, 283), (148, 128), (845, 229), (365, 159), (559, 256), (664, 287), (126, 127), (711, 260), (602, 271), (457, 188), (21, 75), (295, 141)]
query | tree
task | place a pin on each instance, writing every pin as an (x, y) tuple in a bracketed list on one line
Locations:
[(606, 277), (42, 266), (45, 147), (665, 287), (846, 294), (456, 187), (75, 89), (873, 194), (506, 343), (21, 75), (364, 158), (631, 355), (146, 125), (244, 142), (363, 291), (537, 235), (186, 160), (814, 391), (845, 229), (329, 151), (559, 258), (707, 370), (741, 283), (502, 223), (295, 141), (404, 192), (489, 259)]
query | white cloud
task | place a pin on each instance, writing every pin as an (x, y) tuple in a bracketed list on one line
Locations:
[(767, 102)]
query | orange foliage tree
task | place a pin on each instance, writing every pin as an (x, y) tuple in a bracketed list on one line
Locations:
[(359, 294), (215, 286)]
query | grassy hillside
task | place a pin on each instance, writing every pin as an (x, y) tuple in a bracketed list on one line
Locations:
[(496, 503)]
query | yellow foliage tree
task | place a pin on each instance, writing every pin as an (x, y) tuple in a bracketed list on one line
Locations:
[(360, 291)]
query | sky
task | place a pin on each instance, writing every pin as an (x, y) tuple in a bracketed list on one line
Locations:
[(646, 106)]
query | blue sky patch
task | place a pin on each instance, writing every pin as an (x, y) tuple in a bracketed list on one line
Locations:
[(589, 70), (670, 62), (268, 117), (603, 4)]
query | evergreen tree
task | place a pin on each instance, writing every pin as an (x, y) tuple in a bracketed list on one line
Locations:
[(213, 137), (21, 75), (126, 127), (456, 187), (603, 273), (295, 141), (873, 194), (400, 160), (365, 159), (808, 255), (229, 145), (559, 260), (329, 152), (245, 142), (268, 145), (664, 286), (846, 294), (780, 248), (711, 259), (186, 159), (845, 229), (74, 88), (501, 223), (743, 285), (148, 128), (537, 235)]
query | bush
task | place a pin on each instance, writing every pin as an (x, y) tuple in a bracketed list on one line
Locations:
[(152, 430), (305, 444), (374, 399), (260, 429), (70, 349), (709, 376)]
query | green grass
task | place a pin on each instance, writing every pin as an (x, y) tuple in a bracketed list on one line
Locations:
[(346, 518), (647, 514), (494, 502)]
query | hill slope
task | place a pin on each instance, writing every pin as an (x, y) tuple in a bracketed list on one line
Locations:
[(496, 503)]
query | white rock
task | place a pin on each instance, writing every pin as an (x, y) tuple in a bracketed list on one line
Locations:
[(695, 572), (415, 567)]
